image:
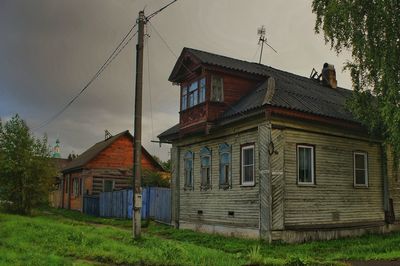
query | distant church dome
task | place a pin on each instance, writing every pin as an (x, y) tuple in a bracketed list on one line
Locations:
[(57, 149)]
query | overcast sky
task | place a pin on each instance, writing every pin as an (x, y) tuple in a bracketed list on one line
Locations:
[(49, 49)]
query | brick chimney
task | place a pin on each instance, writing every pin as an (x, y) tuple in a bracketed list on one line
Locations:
[(329, 76)]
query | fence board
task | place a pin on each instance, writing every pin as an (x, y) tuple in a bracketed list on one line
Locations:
[(156, 204), (91, 205)]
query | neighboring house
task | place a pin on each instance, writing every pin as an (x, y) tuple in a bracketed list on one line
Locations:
[(263, 153), (104, 167)]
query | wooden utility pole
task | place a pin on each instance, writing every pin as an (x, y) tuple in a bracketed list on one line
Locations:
[(137, 149)]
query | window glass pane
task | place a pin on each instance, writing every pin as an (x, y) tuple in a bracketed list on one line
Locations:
[(248, 156), (248, 174), (193, 86), (202, 96), (360, 177), (108, 185), (360, 161), (225, 158), (305, 165), (184, 99), (184, 90), (205, 161), (191, 100), (195, 98), (226, 174), (216, 88)]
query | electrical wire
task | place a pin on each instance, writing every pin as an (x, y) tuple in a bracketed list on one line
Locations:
[(112, 56), (149, 86), (158, 11)]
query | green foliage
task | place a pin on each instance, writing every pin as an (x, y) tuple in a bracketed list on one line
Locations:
[(26, 170), (166, 165), (370, 29), (154, 179)]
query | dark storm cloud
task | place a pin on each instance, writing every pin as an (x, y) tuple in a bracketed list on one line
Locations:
[(49, 49)]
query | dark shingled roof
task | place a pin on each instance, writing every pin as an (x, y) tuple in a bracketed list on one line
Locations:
[(291, 91), (97, 148)]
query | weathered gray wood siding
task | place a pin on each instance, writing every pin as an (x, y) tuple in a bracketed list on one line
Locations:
[(216, 203), (175, 186), (277, 180), (333, 200), (264, 138)]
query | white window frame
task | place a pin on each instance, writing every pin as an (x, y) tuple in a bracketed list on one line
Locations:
[(312, 164), (242, 149), (365, 155)]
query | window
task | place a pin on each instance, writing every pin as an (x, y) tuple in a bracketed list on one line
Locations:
[(202, 97), (360, 169), (108, 185), (75, 187), (193, 94), (305, 164), (247, 165), (184, 98), (217, 90), (224, 166), (205, 160), (188, 164)]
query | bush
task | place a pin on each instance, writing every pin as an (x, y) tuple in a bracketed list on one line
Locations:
[(26, 170)]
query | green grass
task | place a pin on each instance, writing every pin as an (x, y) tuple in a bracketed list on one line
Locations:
[(60, 237)]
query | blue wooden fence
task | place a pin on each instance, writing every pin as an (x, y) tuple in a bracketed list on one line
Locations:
[(91, 205), (156, 204)]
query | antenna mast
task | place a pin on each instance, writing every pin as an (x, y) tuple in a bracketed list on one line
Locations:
[(263, 39)]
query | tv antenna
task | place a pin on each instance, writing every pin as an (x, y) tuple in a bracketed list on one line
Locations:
[(263, 40)]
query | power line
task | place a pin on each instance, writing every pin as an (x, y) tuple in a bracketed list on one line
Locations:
[(158, 11), (149, 86), (112, 56)]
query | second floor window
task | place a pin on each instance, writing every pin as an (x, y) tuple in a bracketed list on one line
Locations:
[(184, 98), (193, 94), (217, 89)]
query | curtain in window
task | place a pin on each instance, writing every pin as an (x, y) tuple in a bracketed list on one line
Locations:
[(188, 163), (217, 89), (205, 160), (305, 164), (224, 167)]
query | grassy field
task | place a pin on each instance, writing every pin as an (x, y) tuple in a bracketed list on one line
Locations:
[(58, 237)]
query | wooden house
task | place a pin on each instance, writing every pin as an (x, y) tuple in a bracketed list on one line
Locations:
[(55, 195), (263, 153), (104, 167)]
